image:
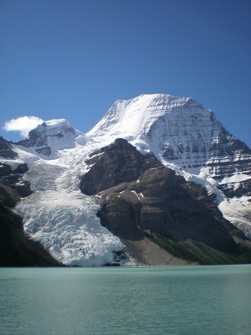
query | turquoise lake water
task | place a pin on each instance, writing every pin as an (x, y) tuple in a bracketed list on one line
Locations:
[(126, 300)]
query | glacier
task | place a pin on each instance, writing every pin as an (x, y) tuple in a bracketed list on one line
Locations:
[(58, 215)]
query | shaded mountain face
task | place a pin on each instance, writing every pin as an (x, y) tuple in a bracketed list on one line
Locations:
[(118, 165), (6, 150), (140, 197), (12, 184)]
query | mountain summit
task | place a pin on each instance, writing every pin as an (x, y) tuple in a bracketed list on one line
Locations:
[(53, 135), (136, 117), (147, 185)]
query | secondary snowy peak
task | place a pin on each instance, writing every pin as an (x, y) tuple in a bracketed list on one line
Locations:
[(53, 135)]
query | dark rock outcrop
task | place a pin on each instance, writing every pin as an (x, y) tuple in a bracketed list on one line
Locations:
[(6, 150), (119, 162), (13, 179), (236, 189), (141, 198), (8, 196)]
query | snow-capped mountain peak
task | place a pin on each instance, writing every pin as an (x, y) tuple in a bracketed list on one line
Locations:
[(135, 116), (53, 135), (56, 125)]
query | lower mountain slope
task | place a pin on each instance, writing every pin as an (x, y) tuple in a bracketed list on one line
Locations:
[(16, 248), (143, 200)]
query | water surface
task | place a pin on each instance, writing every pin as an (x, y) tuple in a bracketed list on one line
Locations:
[(121, 300)]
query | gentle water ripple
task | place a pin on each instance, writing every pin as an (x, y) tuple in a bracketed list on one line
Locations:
[(122, 301)]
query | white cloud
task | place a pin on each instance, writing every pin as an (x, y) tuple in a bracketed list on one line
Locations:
[(22, 124)]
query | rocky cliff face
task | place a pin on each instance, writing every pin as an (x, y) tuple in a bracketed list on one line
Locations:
[(142, 198), (6, 150), (115, 164), (13, 180)]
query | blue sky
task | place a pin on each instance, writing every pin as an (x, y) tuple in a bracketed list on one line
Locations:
[(73, 58)]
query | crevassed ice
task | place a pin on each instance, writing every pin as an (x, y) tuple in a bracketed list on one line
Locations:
[(63, 219), (71, 232)]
